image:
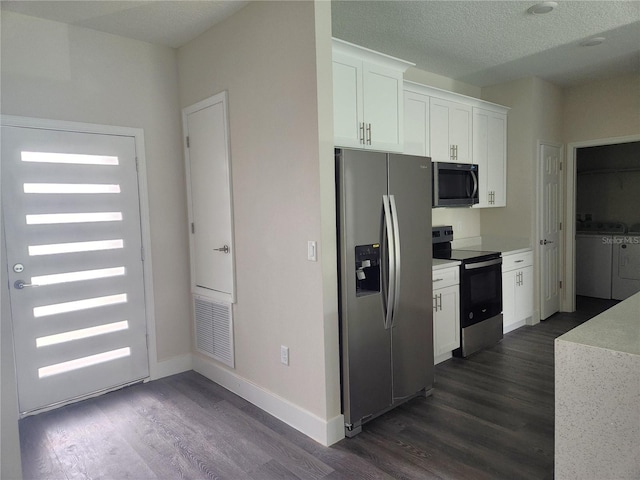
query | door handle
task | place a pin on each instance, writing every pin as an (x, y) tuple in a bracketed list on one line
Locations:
[(20, 284), (547, 241), (224, 249)]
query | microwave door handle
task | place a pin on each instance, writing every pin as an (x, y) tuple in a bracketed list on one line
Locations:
[(396, 242), (389, 246), (475, 184)]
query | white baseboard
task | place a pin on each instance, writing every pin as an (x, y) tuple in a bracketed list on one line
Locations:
[(514, 326), (325, 432), (178, 364)]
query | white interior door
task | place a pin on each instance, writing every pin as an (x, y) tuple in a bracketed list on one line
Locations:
[(549, 230), (209, 179), (74, 251)]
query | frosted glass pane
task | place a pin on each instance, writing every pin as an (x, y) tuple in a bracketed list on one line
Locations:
[(77, 276), (70, 188), (79, 305), (81, 333), (83, 362), (46, 157), (54, 218), (56, 248)]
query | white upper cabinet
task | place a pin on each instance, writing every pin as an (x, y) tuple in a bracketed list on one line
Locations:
[(367, 98), (416, 124), (490, 154), (450, 131), (449, 127)]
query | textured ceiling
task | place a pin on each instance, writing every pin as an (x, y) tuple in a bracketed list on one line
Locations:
[(480, 42), (488, 42)]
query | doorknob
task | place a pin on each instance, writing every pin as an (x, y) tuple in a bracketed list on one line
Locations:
[(20, 284), (224, 249), (545, 241)]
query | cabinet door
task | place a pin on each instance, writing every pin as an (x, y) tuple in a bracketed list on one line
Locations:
[(347, 102), (416, 124), (446, 320), (490, 154), (508, 300), (524, 294), (439, 130), (460, 132), (383, 108), (497, 159), (450, 131)]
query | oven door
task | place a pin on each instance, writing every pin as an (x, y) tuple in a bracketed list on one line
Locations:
[(480, 291)]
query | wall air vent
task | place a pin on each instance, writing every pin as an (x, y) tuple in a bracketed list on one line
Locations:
[(214, 329)]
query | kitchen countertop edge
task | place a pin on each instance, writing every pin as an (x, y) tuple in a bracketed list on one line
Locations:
[(439, 264)]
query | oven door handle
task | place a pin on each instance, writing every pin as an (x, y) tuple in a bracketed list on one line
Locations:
[(389, 246), (488, 263)]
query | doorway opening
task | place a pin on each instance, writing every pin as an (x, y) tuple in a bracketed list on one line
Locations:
[(602, 161)]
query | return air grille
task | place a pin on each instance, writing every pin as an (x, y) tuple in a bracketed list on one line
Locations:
[(214, 330)]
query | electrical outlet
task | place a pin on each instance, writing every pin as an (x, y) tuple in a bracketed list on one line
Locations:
[(284, 355)]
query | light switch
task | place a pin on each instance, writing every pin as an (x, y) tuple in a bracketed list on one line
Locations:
[(312, 251)]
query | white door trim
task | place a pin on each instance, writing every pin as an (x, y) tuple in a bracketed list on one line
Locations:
[(539, 223), (138, 135), (569, 298)]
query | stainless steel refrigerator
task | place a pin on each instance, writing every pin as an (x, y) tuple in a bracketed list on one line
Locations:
[(385, 300)]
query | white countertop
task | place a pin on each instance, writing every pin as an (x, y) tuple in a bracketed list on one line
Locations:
[(616, 329), (439, 264), (506, 245)]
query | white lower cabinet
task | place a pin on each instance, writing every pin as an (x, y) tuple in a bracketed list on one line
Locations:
[(517, 290), (446, 313)]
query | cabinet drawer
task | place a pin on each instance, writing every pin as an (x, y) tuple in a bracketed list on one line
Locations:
[(519, 260), (446, 277)]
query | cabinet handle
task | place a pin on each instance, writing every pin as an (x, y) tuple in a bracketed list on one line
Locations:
[(455, 149), (435, 303), (438, 280), (368, 134), (362, 133), (451, 154), (518, 261)]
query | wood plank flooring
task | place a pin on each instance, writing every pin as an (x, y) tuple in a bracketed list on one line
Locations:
[(490, 416)]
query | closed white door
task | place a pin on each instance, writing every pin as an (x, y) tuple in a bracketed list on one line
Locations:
[(74, 251), (209, 179), (549, 221)]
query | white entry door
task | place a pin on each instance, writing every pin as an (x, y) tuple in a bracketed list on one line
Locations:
[(549, 230), (210, 208), (74, 252)]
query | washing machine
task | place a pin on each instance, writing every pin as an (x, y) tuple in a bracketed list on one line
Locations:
[(594, 257), (626, 264)]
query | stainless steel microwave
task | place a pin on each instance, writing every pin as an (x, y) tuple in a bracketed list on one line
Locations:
[(454, 184)]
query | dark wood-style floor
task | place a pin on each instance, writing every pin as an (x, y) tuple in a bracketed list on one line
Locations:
[(490, 416)]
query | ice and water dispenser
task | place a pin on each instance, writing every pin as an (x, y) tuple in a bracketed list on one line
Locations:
[(367, 269)]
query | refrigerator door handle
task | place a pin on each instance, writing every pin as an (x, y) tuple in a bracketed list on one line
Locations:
[(396, 243), (391, 255)]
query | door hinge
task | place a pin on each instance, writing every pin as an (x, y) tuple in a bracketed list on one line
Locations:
[(142, 253), (137, 166), (560, 166), (560, 284), (560, 225), (188, 144), (193, 227)]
